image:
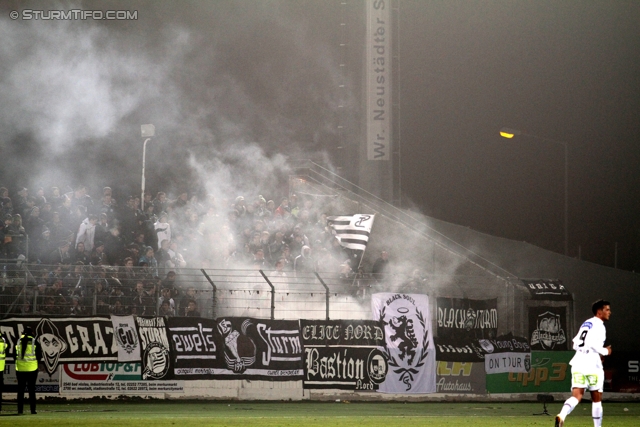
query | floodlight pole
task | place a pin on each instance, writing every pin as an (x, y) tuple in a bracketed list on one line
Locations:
[(146, 131), (510, 133), (144, 153)]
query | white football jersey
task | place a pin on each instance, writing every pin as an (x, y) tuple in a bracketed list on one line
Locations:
[(589, 345)]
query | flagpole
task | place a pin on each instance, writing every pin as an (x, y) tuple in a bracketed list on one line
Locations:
[(355, 277)]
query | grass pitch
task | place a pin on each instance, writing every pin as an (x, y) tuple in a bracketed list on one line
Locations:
[(321, 414)]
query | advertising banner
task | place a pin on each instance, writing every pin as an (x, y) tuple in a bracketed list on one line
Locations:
[(343, 354), (66, 339), (409, 342), (378, 75), (622, 372), (112, 378), (546, 289), (44, 384), (461, 378), (550, 372), (547, 328)]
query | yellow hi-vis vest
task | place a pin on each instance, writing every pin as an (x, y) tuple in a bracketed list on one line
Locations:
[(28, 362), (3, 353)]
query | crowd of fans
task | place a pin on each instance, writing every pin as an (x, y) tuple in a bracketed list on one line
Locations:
[(107, 257)]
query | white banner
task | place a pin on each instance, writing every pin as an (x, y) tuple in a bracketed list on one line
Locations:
[(496, 363), (126, 335), (378, 69), (409, 342)]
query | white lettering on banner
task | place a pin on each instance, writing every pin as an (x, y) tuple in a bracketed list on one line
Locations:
[(378, 69), (443, 385), (321, 332), (188, 339), (457, 318), (336, 366), (448, 348), (546, 285), (363, 332), (282, 345), (81, 339), (512, 344), (152, 330), (336, 332), (101, 346)]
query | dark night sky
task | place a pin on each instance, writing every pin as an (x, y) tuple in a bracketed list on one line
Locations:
[(264, 75), (568, 71)]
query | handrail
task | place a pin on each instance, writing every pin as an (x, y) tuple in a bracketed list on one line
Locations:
[(326, 288), (273, 294), (214, 302)]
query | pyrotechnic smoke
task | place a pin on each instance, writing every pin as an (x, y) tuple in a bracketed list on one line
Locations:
[(252, 83)]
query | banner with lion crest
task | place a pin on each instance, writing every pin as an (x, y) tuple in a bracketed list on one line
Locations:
[(409, 342)]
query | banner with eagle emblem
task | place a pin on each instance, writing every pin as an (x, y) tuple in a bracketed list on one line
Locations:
[(409, 342)]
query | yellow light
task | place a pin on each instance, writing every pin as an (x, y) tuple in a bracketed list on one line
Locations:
[(506, 135)]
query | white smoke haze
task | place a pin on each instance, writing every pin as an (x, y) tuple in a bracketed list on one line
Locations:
[(211, 77), (236, 90), (243, 169), (67, 85)]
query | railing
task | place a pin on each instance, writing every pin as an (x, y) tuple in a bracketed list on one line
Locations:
[(33, 289)]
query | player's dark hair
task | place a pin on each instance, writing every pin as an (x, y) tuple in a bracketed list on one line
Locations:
[(599, 305)]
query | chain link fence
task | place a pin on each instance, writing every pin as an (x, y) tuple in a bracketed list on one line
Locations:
[(55, 291)]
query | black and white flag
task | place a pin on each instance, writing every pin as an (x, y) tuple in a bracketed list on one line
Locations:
[(409, 342), (352, 231)]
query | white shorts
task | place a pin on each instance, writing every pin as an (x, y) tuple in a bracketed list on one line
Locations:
[(591, 381)]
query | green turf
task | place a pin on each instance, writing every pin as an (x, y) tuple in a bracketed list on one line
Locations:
[(321, 414)]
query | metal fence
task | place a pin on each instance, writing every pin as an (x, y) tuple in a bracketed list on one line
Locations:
[(54, 291), (35, 289)]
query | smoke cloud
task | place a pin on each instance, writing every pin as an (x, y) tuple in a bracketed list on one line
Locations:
[(235, 89)]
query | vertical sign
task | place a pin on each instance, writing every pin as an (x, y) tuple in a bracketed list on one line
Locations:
[(378, 70)]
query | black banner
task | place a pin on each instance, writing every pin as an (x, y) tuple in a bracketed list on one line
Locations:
[(194, 347), (467, 319), (456, 350), (258, 349), (155, 348), (345, 368), (452, 350), (547, 328), (545, 289), (343, 354), (65, 340)]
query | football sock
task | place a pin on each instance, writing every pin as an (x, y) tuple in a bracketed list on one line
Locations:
[(568, 406), (596, 413)]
